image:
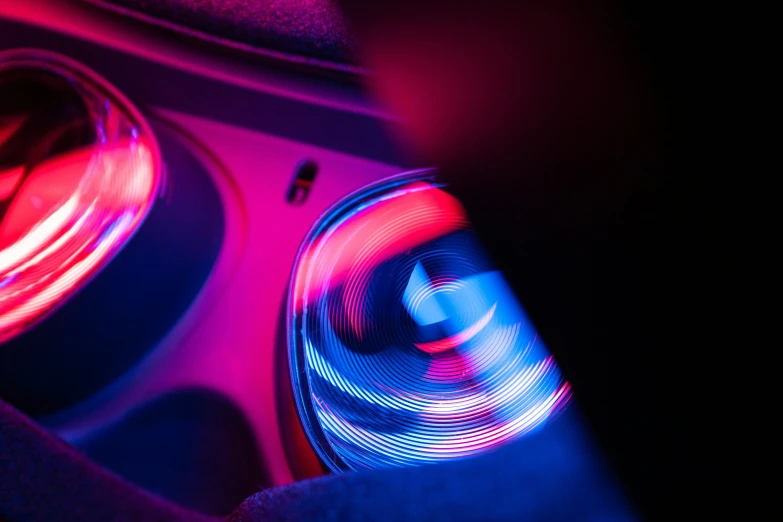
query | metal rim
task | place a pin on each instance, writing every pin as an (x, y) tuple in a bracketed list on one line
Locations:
[(298, 378), (83, 76)]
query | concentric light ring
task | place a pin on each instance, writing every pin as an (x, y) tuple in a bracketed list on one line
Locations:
[(406, 346), (68, 213)]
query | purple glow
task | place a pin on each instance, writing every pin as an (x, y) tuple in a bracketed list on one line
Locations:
[(411, 355)]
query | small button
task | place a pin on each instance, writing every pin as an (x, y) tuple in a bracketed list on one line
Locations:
[(304, 176)]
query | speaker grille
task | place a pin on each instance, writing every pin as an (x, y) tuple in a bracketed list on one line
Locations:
[(406, 345)]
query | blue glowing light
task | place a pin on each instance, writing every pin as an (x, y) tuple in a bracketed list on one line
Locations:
[(406, 345)]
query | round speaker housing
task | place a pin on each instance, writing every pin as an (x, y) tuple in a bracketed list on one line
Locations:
[(79, 171), (406, 345)]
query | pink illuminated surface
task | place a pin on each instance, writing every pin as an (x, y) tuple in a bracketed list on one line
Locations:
[(70, 214), (227, 341)]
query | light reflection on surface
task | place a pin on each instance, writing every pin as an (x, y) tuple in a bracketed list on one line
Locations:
[(407, 347), (78, 173)]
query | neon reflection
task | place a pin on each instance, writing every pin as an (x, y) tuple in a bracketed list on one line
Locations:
[(407, 347), (76, 179)]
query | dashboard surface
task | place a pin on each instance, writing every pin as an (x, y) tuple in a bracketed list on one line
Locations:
[(248, 125)]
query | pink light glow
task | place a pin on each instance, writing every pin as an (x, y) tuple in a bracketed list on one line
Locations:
[(387, 229), (9, 125), (67, 219), (441, 345), (9, 180), (483, 381)]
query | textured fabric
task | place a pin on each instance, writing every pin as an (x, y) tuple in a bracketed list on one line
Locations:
[(191, 446), (552, 475), (44, 479), (310, 28)]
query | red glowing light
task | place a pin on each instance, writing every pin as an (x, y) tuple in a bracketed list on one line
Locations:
[(8, 126), (385, 230), (400, 268), (69, 216), (441, 345), (9, 180)]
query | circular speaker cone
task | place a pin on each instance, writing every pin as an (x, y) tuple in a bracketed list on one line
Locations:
[(406, 345), (79, 170)]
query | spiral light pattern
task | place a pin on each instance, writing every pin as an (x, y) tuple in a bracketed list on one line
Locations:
[(68, 210), (406, 346)]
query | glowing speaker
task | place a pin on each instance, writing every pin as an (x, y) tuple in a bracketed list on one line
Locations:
[(79, 170), (406, 346), (102, 249)]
